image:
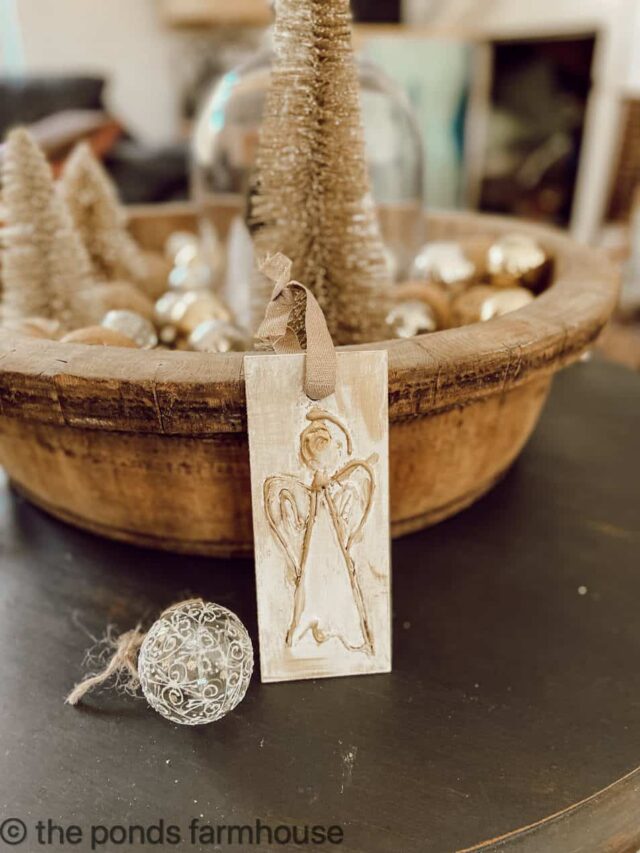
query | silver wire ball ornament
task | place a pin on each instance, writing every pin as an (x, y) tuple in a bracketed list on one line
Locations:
[(195, 663)]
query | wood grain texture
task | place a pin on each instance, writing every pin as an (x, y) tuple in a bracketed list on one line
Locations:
[(512, 697), (320, 485), (121, 441)]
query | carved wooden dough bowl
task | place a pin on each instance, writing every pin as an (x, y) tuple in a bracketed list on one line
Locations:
[(151, 447)]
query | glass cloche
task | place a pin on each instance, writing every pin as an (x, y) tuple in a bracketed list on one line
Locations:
[(225, 140)]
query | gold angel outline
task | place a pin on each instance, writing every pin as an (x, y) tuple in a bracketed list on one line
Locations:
[(316, 526)]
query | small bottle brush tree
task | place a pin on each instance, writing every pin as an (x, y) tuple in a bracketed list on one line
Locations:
[(311, 196), (44, 264), (99, 219)]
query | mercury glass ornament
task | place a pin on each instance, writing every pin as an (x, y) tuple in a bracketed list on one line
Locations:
[(170, 307), (483, 302), (167, 336), (198, 261), (179, 240), (504, 301), (219, 336), (187, 254), (226, 135), (195, 663), (194, 276), (204, 307), (444, 262), (518, 260), (466, 307), (133, 326), (410, 318), (99, 336), (435, 296)]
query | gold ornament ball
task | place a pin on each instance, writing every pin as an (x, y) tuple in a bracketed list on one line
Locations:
[(219, 336), (483, 302), (99, 336), (436, 296), (133, 326), (518, 260), (411, 318), (466, 307), (444, 262), (203, 307), (185, 311), (504, 301), (167, 336)]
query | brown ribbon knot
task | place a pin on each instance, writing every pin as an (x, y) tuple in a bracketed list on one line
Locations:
[(320, 362)]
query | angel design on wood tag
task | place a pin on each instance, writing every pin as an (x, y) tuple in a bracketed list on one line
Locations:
[(316, 525)]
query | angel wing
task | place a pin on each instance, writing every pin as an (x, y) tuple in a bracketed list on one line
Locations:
[(352, 495), (287, 504)]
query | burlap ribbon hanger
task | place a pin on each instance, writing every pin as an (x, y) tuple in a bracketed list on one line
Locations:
[(320, 361)]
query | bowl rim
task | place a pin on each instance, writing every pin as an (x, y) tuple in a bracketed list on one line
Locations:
[(192, 393)]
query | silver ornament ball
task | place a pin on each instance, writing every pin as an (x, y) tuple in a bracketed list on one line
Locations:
[(411, 317), (195, 663), (444, 262), (170, 307), (133, 326), (219, 336), (179, 240)]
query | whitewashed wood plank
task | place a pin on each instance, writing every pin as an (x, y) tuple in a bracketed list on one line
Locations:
[(320, 490)]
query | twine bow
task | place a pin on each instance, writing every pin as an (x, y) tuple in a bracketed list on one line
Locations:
[(320, 362)]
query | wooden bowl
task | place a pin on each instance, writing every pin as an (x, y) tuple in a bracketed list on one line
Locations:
[(151, 448)]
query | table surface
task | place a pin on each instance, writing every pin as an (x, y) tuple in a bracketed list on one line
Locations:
[(515, 692)]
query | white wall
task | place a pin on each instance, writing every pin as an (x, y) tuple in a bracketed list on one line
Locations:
[(123, 40), (633, 80)]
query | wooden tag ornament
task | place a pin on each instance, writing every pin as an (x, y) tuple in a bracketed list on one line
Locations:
[(318, 438)]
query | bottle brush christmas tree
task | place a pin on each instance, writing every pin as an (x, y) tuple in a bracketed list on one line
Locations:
[(312, 199), (99, 218), (44, 263)]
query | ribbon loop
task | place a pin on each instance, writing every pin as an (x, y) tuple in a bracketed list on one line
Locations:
[(320, 362), (277, 268)]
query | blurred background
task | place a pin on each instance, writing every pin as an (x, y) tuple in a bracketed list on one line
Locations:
[(525, 109)]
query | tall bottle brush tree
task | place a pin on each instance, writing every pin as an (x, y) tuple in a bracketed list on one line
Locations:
[(311, 195)]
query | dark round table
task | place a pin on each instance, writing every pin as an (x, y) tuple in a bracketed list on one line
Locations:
[(512, 713)]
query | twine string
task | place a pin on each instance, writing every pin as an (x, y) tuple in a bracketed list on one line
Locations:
[(124, 659)]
